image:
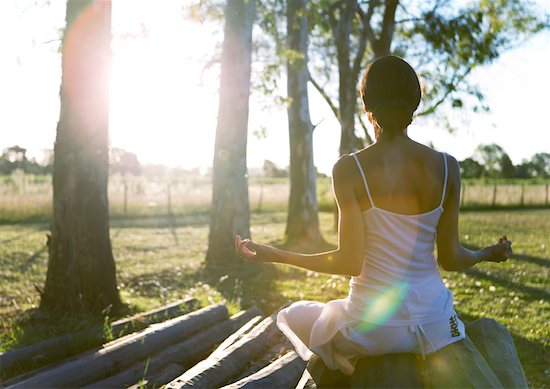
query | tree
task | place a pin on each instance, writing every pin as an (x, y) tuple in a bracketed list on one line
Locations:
[(230, 211), (81, 269), (540, 163), (470, 168), (508, 170), (302, 219), (122, 161), (491, 157), (442, 40)]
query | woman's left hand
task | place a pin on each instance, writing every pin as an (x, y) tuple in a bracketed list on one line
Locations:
[(251, 251)]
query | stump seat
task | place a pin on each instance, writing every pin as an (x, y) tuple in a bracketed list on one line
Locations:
[(486, 358)]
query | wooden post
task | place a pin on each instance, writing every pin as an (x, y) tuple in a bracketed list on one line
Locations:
[(168, 199), (494, 202), (546, 198), (462, 198), (522, 199), (261, 197), (125, 197)]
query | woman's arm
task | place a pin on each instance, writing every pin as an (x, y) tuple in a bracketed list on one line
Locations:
[(451, 255), (348, 258)]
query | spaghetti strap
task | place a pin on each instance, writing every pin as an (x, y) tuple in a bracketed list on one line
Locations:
[(445, 179), (364, 179)]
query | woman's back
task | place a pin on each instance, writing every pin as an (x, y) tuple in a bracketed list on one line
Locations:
[(403, 176), (399, 267)]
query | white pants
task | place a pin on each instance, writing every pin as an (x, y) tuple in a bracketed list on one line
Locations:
[(341, 347)]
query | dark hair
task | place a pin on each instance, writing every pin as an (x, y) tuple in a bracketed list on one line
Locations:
[(390, 92)]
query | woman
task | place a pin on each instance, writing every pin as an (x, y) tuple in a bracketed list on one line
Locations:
[(396, 198)]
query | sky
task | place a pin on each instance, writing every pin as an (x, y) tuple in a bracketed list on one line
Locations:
[(164, 103)]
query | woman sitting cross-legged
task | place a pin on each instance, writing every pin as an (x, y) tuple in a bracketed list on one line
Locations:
[(396, 199)]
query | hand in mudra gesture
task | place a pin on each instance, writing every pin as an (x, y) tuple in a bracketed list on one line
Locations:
[(501, 251), (254, 252)]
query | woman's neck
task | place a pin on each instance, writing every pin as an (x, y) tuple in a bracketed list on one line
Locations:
[(388, 136)]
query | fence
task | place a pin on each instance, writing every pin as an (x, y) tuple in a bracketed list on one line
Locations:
[(24, 197)]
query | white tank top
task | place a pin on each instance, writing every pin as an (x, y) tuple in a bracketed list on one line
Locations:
[(399, 282)]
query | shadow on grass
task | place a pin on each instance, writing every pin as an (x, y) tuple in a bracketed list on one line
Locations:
[(248, 283), (533, 260), (32, 259), (192, 219), (530, 292), (153, 284)]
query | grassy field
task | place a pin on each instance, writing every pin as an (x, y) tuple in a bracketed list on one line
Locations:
[(159, 260)]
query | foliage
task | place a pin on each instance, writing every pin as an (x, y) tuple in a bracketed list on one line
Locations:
[(122, 161), (444, 41), (492, 161), (15, 158)]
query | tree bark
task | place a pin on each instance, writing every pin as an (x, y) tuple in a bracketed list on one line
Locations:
[(347, 96), (81, 268), (230, 213), (302, 220)]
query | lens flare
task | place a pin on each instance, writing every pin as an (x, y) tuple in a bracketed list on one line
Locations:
[(383, 307)]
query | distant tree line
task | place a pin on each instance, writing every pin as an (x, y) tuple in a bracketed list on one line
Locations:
[(491, 161), (15, 158), (488, 161)]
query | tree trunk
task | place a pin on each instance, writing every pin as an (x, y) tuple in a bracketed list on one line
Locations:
[(230, 213), (302, 221), (81, 268), (347, 95)]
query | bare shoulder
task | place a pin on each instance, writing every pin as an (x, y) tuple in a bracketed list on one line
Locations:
[(343, 167), (454, 168)]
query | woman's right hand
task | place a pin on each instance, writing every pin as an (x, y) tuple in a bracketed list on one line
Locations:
[(501, 251), (254, 252)]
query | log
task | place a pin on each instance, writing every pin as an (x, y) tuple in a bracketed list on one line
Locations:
[(279, 346), (236, 335), (167, 374), (51, 350), (284, 372), (458, 365), (306, 381), (184, 354), (216, 371), (494, 342), (112, 358)]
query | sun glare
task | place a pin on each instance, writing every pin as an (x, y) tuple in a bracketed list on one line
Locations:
[(159, 108)]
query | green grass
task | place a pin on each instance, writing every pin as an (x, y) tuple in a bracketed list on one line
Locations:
[(159, 259)]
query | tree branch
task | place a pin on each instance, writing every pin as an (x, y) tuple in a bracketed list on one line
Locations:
[(365, 19), (388, 25), (456, 80), (327, 99)]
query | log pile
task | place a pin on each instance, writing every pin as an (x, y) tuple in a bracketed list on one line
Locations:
[(203, 348), (207, 348)]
